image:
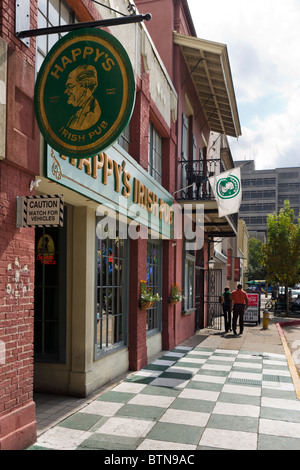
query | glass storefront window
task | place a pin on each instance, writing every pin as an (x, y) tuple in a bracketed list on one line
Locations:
[(111, 293)]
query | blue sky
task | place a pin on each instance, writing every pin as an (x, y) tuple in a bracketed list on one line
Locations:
[(263, 42)]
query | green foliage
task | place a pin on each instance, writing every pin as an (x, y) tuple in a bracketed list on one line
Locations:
[(281, 254), (256, 269)]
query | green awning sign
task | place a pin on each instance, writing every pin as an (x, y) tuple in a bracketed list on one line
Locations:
[(84, 93)]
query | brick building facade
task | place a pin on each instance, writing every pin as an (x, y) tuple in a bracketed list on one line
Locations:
[(19, 163), (70, 326)]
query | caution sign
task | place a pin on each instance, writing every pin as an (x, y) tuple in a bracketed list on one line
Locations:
[(40, 211)]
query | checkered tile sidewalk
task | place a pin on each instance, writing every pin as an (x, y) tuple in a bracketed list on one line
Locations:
[(190, 399)]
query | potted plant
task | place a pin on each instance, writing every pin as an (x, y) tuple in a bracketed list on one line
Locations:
[(176, 294), (148, 298)]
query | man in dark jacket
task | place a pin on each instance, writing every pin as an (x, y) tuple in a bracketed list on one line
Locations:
[(226, 308)]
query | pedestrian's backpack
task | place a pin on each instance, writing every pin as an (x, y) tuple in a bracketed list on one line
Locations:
[(227, 298)]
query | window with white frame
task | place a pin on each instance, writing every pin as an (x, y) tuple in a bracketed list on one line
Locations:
[(188, 278), (124, 139), (51, 13), (155, 154), (184, 155)]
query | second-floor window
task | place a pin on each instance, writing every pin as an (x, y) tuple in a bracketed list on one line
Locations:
[(50, 13), (124, 139), (155, 154)]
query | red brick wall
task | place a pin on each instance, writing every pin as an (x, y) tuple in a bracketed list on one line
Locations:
[(159, 27), (168, 311), (139, 131), (139, 124), (22, 133), (137, 318), (7, 29), (21, 163), (145, 110), (16, 315), (169, 163), (85, 10)]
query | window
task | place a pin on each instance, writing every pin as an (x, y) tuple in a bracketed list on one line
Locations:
[(124, 139), (189, 265), (49, 294), (293, 199), (155, 154), (111, 289), (255, 220), (184, 155), (259, 194), (188, 278), (267, 207), (259, 182), (50, 13), (288, 188), (289, 175), (154, 267)]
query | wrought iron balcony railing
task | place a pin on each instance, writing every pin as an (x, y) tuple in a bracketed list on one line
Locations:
[(194, 178), (194, 181)]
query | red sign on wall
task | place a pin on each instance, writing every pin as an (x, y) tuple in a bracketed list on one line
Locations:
[(237, 269), (229, 261)]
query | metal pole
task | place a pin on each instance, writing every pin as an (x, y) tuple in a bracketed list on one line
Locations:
[(88, 24)]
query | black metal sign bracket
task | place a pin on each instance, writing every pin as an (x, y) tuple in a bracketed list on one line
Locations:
[(128, 19)]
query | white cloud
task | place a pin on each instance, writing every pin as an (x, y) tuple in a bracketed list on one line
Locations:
[(263, 38)]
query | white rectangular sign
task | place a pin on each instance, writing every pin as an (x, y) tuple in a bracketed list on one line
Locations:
[(252, 312), (40, 211)]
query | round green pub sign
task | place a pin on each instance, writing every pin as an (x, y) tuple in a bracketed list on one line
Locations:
[(84, 93), (229, 187)]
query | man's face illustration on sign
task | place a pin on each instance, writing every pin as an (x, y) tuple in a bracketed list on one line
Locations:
[(80, 87), (81, 84)]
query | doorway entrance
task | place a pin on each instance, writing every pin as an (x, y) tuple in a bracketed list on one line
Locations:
[(212, 298), (50, 294)]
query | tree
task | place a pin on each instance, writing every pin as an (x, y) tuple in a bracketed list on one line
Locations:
[(281, 254), (256, 270)]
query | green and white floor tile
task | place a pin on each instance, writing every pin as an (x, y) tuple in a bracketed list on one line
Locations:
[(190, 399)]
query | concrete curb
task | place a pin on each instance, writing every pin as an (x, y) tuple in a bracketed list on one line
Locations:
[(292, 367)]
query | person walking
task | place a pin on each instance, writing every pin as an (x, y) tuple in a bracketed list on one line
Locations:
[(226, 308), (239, 301)]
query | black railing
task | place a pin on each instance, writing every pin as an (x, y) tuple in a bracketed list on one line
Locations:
[(194, 182)]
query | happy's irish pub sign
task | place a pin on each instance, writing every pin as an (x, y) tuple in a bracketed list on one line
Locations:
[(84, 93)]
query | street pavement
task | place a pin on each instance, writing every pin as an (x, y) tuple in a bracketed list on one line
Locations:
[(214, 391)]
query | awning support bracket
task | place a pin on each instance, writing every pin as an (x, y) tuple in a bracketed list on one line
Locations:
[(194, 68)]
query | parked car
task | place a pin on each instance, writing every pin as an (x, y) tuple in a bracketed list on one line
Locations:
[(295, 294)]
